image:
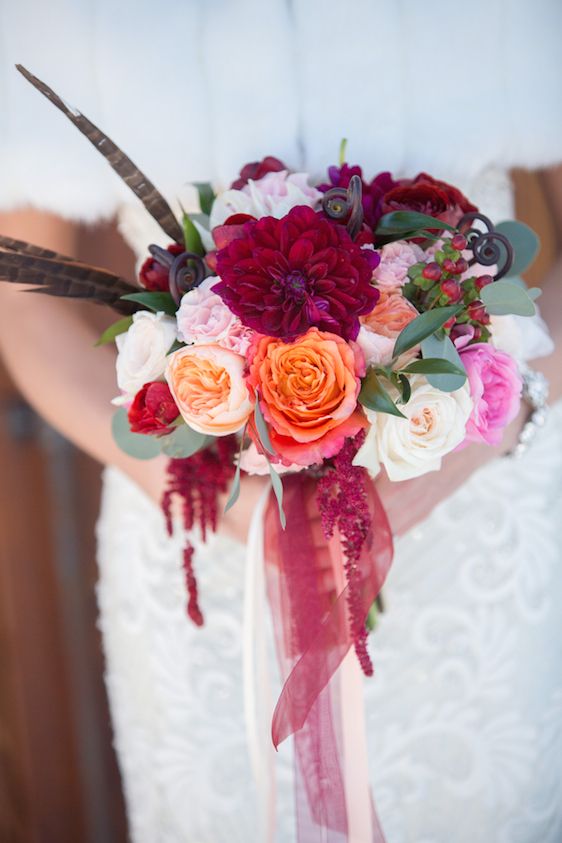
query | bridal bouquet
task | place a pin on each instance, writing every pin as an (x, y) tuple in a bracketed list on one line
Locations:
[(318, 333)]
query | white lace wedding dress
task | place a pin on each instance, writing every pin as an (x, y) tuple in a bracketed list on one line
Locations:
[(464, 713)]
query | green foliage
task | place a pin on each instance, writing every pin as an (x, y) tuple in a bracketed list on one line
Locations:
[(403, 224), (157, 302), (423, 326), (184, 442), (503, 297), (277, 485), (262, 428), (114, 330), (525, 244), (141, 446), (206, 196), (374, 396), (191, 237), (434, 366), (440, 345)]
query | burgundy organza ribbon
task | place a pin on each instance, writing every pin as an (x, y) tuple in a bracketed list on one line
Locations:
[(313, 635)]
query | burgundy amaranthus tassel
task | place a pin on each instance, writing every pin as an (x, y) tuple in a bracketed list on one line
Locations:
[(343, 503), (198, 481)]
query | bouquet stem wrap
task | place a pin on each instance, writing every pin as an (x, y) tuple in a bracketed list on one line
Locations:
[(314, 634)]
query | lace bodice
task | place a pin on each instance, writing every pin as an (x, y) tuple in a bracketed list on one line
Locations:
[(464, 713)]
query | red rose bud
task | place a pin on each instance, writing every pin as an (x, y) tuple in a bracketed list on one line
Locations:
[(451, 289), (432, 271), (153, 409), (459, 242), (483, 281), (153, 276), (257, 170), (478, 313)]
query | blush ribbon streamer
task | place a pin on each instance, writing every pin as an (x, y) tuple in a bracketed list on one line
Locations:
[(320, 705)]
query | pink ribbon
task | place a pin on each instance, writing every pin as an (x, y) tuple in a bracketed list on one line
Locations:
[(313, 635)]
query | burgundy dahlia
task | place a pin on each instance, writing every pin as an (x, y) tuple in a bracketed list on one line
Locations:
[(153, 409), (257, 170), (153, 276), (285, 276)]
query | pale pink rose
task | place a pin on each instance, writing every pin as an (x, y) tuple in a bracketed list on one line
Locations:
[(252, 462), (273, 195), (495, 389), (238, 338), (396, 259), (376, 348), (202, 315), (207, 383)]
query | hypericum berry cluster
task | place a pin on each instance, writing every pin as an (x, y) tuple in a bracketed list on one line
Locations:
[(440, 282)]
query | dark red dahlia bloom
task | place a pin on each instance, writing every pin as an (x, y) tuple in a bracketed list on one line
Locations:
[(257, 170), (153, 275), (153, 409), (372, 194), (285, 276), (428, 196)]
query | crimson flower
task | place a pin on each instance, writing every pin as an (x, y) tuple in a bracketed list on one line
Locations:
[(153, 409), (285, 276), (428, 196), (153, 276), (257, 170), (372, 193)]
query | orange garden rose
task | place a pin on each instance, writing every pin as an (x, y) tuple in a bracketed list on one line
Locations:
[(308, 393), (208, 386), (390, 315)]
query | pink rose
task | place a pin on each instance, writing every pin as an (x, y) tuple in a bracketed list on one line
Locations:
[(377, 350), (396, 259), (203, 317), (495, 388)]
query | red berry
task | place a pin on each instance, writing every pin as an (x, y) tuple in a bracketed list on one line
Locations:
[(478, 312), (459, 242), (477, 333), (483, 281), (450, 323), (461, 266), (432, 271), (449, 266), (451, 288)]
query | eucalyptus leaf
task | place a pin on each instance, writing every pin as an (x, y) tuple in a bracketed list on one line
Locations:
[(114, 330), (277, 485), (423, 326), (141, 446), (405, 388), (441, 346), (525, 244), (206, 196), (184, 442), (262, 428), (434, 366), (158, 302), (191, 237), (409, 222), (374, 396), (234, 489), (503, 297), (534, 292)]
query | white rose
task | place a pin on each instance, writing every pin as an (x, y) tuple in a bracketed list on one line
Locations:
[(273, 195), (142, 350), (434, 425)]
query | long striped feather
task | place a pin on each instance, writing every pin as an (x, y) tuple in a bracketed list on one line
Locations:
[(151, 198)]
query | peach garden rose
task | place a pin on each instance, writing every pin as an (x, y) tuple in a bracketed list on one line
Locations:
[(207, 382), (308, 392)]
